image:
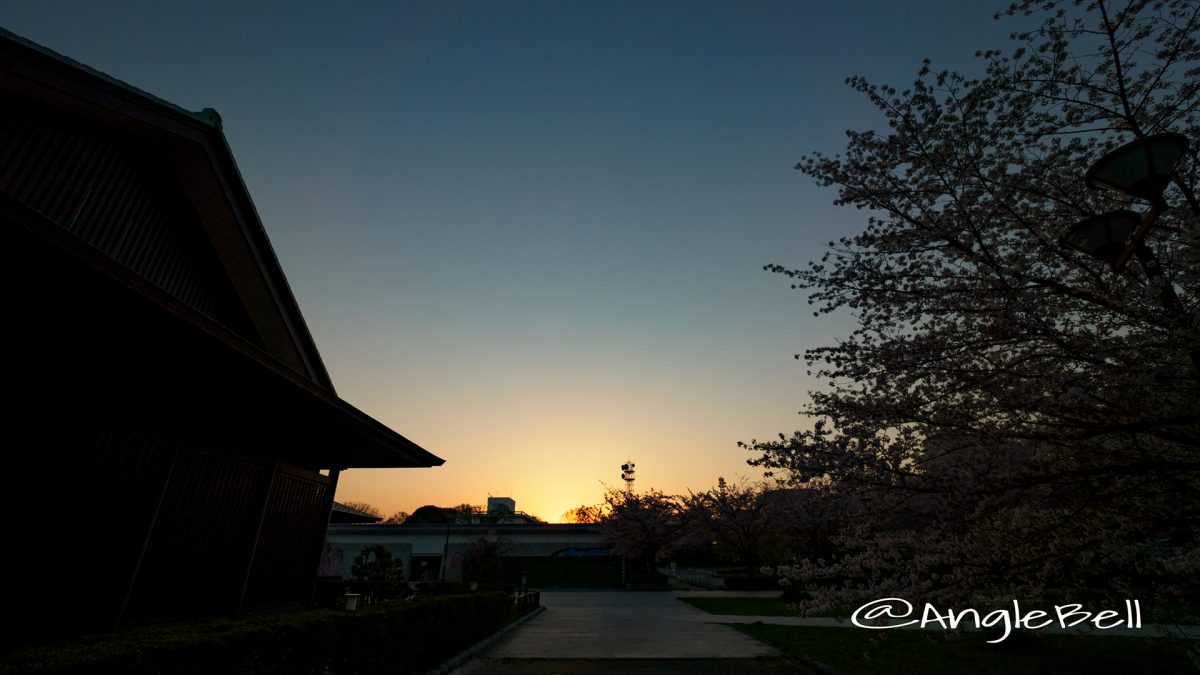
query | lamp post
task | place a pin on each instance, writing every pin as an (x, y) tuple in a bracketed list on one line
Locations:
[(445, 551), (1140, 169)]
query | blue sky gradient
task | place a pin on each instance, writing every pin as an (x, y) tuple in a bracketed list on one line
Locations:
[(530, 235)]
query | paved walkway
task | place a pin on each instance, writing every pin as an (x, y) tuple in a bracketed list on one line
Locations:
[(611, 632), (625, 625), (627, 633), (759, 666)]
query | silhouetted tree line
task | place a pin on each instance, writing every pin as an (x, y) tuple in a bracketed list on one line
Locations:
[(734, 524)]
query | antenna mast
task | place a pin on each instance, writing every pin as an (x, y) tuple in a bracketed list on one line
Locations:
[(627, 476)]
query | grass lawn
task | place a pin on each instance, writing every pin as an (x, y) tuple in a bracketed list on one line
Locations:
[(851, 651)]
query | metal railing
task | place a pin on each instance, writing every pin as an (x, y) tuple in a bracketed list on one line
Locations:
[(527, 601)]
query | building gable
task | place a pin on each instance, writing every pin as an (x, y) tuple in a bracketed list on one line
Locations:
[(119, 198), (151, 185)]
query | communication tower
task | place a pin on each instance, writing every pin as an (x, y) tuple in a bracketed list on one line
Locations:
[(627, 476)]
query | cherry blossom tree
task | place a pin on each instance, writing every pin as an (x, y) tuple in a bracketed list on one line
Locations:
[(739, 515), (644, 527), (1010, 418)]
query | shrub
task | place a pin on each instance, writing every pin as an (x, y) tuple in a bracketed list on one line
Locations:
[(482, 561), (394, 637), (379, 574)]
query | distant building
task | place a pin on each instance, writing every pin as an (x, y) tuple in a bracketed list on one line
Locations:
[(172, 439), (498, 506), (538, 553), (545, 551), (500, 511)]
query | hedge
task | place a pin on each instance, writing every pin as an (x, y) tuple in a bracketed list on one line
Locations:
[(395, 637)]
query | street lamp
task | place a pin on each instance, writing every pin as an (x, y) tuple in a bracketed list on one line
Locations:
[(445, 551), (1104, 236), (1139, 169)]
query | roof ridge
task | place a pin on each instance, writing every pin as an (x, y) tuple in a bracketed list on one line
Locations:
[(208, 116)]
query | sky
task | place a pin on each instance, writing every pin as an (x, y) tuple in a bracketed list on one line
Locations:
[(529, 236)]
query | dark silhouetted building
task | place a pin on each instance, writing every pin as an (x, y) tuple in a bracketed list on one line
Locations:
[(171, 439)]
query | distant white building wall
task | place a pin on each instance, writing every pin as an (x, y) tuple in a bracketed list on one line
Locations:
[(426, 543), (501, 505)]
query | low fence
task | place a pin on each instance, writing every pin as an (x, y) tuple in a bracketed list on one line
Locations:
[(527, 602)]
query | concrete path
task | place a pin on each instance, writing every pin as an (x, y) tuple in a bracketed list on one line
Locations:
[(634, 633), (625, 625), (760, 666)]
